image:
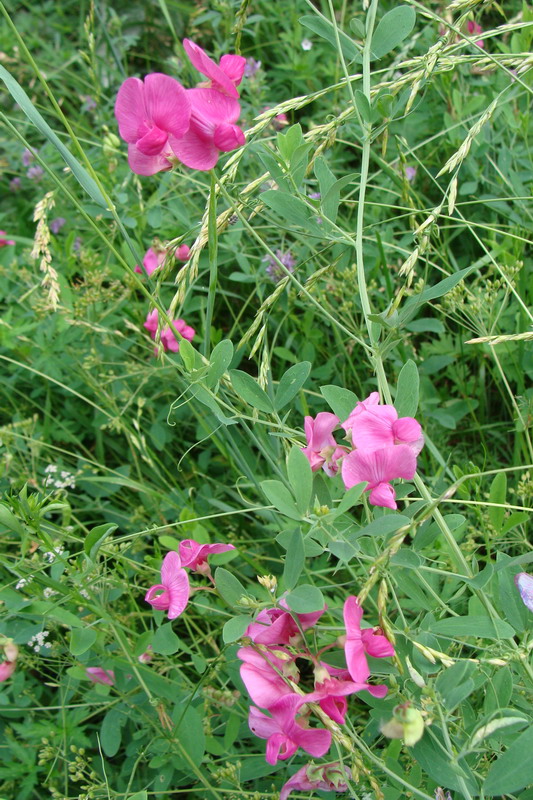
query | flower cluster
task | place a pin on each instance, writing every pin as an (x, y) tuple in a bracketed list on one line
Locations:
[(164, 123), (381, 447), (172, 594), (155, 256), (61, 479), (272, 677), (168, 337), (274, 271), (39, 640)]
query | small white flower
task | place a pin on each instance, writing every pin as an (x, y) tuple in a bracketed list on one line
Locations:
[(50, 555), (49, 592), (23, 582), (306, 44), (50, 468)]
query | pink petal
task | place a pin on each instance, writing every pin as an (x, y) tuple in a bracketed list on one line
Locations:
[(316, 461), (377, 691), (228, 137), (384, 496), (167, 103), (130, 109), (378, 466), (178, 590), (153, 260), (195, 151), (315, 741), (261, 725), (298, 781), (142, 164), (233, 66), (322, 430), (201, 61), (335, 708), (152, 321), (353, 614), (376, 644), (356, 660), (99, 675), (183, 252), (210, 108), (372, 428), (279, 746), (406, 429), (170, 567), (189, 552), (264, 687), (158, 597), (153, 142), (7, 668)]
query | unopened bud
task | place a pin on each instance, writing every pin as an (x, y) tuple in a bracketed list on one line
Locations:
[(415, 676), (407, 723), (270, 582), (11, 651)]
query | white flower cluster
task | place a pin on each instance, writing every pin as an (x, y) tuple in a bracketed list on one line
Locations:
[(22, 582), (39, 640), (51, 555), (49, 592), (59, 479)]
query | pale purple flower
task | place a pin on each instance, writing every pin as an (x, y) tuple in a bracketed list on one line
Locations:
[(77, 244), (56, 224), (35, 173), (273, 269), (251, 67), (410, 173), (524, 584), (314, 195), (89, 103), (27, 157), (306, 44), (14, 184)]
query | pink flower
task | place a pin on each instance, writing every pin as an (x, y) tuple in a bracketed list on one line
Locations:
[(194, 555), (283, 733), (263, 673), (3, 241), (183, 252), (150, 116), (224, 77), (99, 675), (362, 405), (172, 594), (168, 336), (474, 27), (7, 668), (331, 693), (322, 449), (360, 642), (275, 626), (375, 426), (147, 656), (212, 129), (152, 260), (313, 777), (524, 584), (377, 468)]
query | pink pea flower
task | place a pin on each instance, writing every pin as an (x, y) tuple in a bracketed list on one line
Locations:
[(4, 241), (99, 675), (263, 672), (377, 426), (313, 777), (152, 260), (283, 733), (150, 116), (224, 77), (168, 337), (275, 626), (172, 594), (524, 584), (194, 555), (212, 129), (7, 668), (377, 468), (360, 643), (147, 656), (183, 252), (322, 449), (474, 27), (362, 405), (331, 692)]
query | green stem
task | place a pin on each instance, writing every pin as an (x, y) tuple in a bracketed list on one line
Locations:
[(213, 266)]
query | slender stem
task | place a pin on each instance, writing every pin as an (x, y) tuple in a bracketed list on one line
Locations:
[(213, 266)]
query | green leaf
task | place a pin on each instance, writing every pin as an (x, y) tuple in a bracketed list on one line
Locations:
[(188, 355), (331, 198), (305, 598), (350, 499), (473, 625), (341, 401), (382, 526), (392, 29), (190, 733), (431, 755), (514, 769), (228, 586), (406, 402), (234, 628), (25, 104), (111, 732), (324, 175), (363, 106), (293, 210), (322, 27), (96, 537), (138, 796), (432, 293), (426, 325), (201, 394), (165, 641), (42, 608), (291, 383), (289, 141), (81, 639), (249, 390), (219, 361), (498, 493), (300, 478), (281, 498), (294, 560), (10, 521)]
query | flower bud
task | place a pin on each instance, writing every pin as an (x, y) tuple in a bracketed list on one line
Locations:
[(407, 723)]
